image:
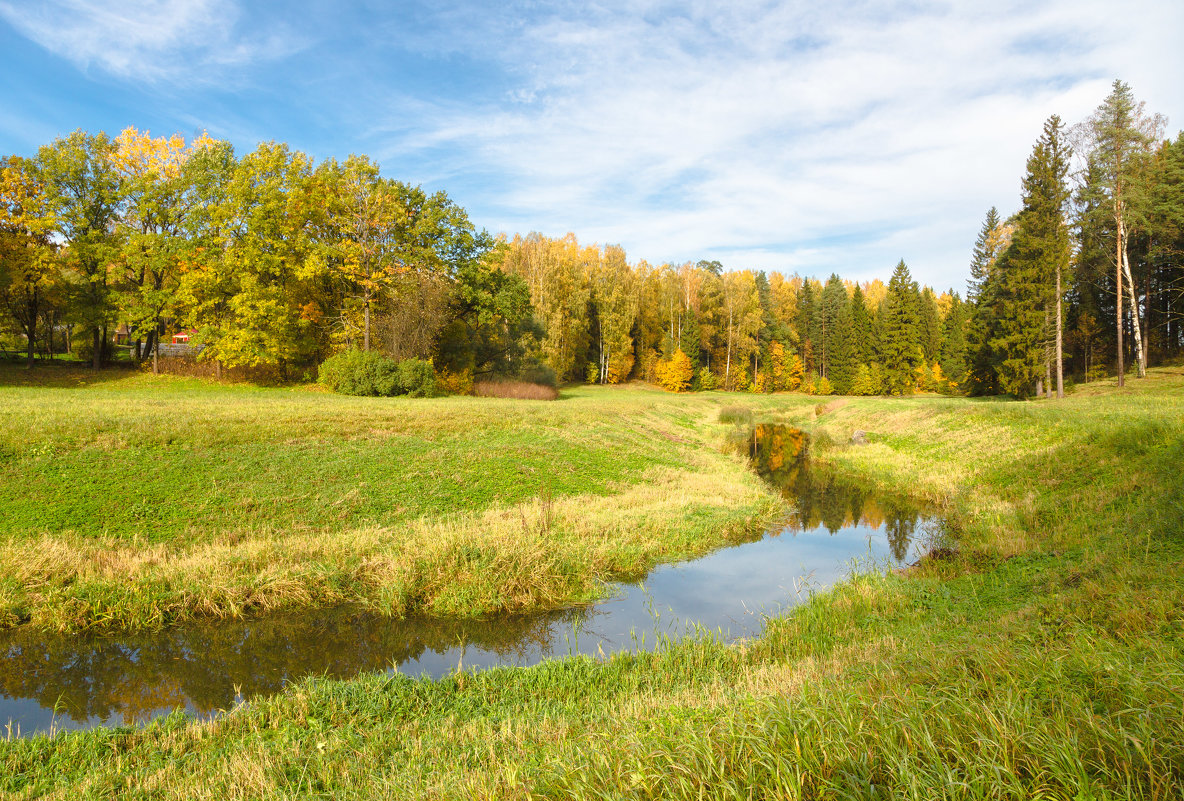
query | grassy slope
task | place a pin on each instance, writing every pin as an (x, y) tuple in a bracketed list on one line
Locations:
[(1044, 661), (135, 501)]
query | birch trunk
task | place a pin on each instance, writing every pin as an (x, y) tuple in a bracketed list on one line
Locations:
[(1118, 250), (1130, 283)]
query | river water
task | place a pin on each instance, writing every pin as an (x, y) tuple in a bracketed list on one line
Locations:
[(50, 683)]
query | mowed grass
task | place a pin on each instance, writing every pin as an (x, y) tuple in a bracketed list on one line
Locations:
[(133, 501), (1043, 659)]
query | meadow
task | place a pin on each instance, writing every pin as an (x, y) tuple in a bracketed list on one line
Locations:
[(135, 501), (1038, 655)]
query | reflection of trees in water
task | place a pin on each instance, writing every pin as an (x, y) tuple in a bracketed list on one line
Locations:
[(134, 677), (780, 455)]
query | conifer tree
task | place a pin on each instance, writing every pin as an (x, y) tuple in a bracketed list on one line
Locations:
[(862, 340), (1030, 269), (953, 340), (930, 326), (900, 335), (987, 248), (836, 310)]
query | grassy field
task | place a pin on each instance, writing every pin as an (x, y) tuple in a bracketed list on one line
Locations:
[(1043, 659), (133, 501)]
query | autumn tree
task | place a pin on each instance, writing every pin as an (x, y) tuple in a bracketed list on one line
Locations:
[(614, 296), (27, 258), (84, 192)]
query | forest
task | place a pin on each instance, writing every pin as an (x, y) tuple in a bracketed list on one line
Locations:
[(270, 263)]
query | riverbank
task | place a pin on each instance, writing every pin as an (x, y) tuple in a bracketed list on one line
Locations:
[(130, 502), (1041, 659)]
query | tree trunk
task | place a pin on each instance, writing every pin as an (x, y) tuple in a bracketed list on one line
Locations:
[(1140, 353), (1060, 342), (366, 314), (31, 328), (728, 368), (96, 358), (1118, 296)]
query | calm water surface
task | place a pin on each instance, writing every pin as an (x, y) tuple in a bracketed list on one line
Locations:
[(61, 683)]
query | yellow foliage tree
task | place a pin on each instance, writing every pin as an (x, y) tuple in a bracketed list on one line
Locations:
[(675, 375)]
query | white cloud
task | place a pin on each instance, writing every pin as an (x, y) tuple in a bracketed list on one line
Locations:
[(190, 41), (786, 136)]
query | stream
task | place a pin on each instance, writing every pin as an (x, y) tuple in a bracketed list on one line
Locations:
[(52, 683)]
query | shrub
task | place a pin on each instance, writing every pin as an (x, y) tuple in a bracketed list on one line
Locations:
[(416, 378), (451, 383), (357, 372), (523, 390), (707, 380)]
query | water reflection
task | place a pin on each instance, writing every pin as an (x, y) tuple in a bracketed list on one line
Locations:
[(82, 681), (49, 682), (821, 498)]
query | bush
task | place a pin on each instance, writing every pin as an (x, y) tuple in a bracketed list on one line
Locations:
[(358, 372), (369, 373), (707, 380), (450, 383), (415, 378)]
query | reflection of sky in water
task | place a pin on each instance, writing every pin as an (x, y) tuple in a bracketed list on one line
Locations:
[(94, 681)]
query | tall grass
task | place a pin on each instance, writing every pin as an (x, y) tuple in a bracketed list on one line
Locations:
[(519, 390)]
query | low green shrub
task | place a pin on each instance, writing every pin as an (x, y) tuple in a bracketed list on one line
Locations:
[(359, 372), (416, 378)]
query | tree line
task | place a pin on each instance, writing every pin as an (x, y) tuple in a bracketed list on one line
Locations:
[(272, 260)]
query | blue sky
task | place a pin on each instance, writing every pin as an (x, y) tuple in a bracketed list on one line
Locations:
[(809, 137)]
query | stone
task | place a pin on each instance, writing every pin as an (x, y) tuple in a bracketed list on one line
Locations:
[(859, 437)]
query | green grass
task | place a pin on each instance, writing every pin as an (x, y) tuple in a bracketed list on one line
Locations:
[(133, 501), (1042, 660)]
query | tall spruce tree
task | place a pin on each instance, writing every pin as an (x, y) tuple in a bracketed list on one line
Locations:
[(900, 337), (953, 340), (930, 326), (1031, 269), (862, 339), (836, 311), (987, 249)]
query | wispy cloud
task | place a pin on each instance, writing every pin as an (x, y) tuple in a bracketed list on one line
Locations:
[(755, 130), (153, 41)]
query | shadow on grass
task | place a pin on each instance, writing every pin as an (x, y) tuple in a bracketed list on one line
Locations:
[(60, 374)]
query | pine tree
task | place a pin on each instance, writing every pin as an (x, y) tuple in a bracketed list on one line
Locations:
[(901, 335), (1122, 135)]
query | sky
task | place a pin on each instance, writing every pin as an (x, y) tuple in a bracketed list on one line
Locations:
[(800, 137)]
